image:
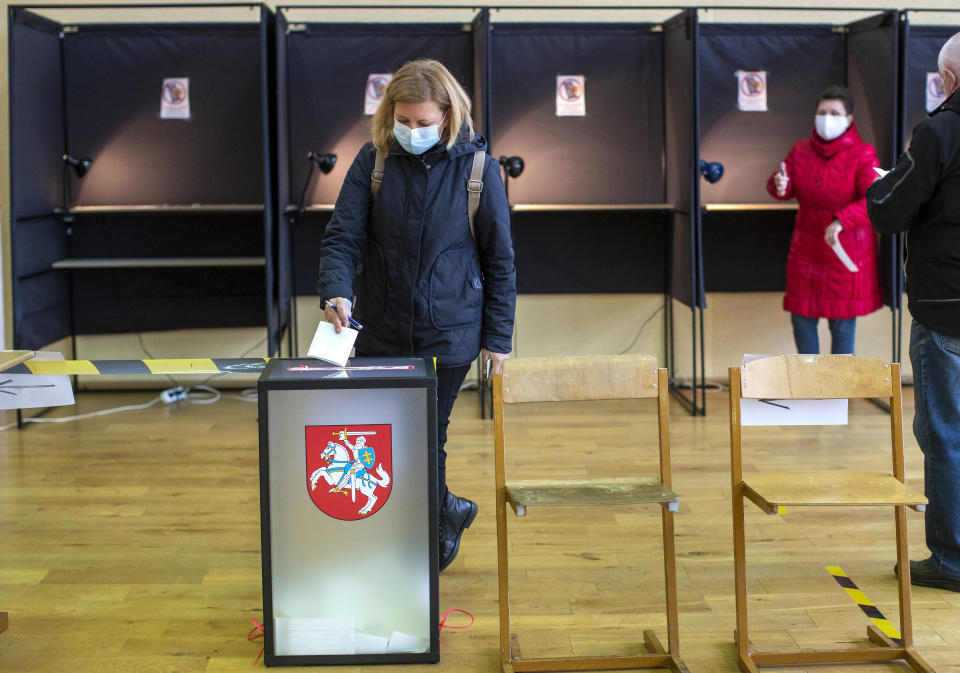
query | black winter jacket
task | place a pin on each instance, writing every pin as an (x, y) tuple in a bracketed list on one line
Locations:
[(423, 286), (921, 196)]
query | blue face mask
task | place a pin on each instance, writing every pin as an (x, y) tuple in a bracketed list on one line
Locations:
[(416, 141)]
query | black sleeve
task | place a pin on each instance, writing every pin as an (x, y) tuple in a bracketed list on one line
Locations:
[(894, 200), (495, 247), (346, 234)]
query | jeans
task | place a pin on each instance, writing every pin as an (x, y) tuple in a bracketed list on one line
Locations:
[(449, 380), (936, 423), (842, 332)]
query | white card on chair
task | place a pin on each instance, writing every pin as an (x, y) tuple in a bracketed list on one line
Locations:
[(791, 412)]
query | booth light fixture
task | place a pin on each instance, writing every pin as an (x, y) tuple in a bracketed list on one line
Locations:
[(79, 166), (711, 170), (325, 162), (512, 166)]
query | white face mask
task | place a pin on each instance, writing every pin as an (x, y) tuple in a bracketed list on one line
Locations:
[(830, 127)]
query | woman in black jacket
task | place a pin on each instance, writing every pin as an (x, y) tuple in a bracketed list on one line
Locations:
[(425, 284)]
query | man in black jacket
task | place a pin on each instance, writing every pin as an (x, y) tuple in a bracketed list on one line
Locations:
[(921, 196)]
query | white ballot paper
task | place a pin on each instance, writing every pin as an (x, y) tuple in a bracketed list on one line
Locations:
[(880, 171), (26, 391), (843, 256), (791, 412), (404, 642), (331, 347), (304, 635)]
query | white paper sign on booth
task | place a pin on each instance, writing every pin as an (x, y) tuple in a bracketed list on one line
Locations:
[(935, 91), (752, 90), (175, 98), (571, 96), (373, 93), (791, 412), (29, 391)]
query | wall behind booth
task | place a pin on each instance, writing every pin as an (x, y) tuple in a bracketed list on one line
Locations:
[(541, 319)]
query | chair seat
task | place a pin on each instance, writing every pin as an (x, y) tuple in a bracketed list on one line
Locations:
[(830, 487), (604, 491)]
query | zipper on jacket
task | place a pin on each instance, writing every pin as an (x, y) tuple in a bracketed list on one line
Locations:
[(416, 275)]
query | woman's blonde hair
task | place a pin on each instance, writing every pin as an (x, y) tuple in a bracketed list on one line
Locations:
[(416, 82)]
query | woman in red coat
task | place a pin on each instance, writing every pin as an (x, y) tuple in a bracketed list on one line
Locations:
[(829, 174)]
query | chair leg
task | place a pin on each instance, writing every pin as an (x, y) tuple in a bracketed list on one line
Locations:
[(903, 576), (740, 575), (670, 580), (503, 578)]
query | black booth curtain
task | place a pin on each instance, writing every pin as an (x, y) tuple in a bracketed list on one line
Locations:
[(921, 48), (322, 108), (113, 75), (746, 250), (682, 110), (94, 92), (872, 72), (613, 155), (38, 237), (800, 61), (327, 69)]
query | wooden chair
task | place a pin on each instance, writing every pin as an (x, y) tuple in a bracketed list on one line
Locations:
[(586, 378), (795, 377)]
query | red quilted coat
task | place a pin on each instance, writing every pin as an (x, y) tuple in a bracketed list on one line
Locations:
[(830, 180)]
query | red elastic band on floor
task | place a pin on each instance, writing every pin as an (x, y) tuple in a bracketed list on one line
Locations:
[(257, 626), (443, 619)]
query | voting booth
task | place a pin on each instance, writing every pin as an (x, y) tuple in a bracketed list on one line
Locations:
[(599, 104), (348, 501), (141, 171), (333, 66), (759, 80)]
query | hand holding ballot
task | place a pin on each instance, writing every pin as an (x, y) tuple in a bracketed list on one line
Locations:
[(337, 312), (831, 233)]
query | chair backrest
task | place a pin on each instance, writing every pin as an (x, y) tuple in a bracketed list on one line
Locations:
[(583, 377), (800, 377)]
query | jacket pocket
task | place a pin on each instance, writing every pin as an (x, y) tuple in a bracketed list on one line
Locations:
[(372, 285), (456, 290)]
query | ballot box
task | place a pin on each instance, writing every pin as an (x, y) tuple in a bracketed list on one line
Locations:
[(348, 507)]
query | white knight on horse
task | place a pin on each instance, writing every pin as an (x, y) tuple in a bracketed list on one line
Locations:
[(351, 467)]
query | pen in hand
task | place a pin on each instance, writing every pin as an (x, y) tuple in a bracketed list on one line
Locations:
[(356, 325)]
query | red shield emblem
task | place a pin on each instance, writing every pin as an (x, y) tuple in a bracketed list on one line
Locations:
[(349, 469)]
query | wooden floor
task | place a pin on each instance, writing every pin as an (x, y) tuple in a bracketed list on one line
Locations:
[(130, 543)]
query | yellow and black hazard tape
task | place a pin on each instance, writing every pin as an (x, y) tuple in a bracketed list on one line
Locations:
[(869, 609), (141, 367)]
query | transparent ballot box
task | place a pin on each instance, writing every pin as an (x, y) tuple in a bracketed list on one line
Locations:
[(348, 506)]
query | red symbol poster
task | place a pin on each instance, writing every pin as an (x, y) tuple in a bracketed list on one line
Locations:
[(349, 469)]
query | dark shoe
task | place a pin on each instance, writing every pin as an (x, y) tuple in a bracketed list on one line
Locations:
[(456, 515), (925, 574)]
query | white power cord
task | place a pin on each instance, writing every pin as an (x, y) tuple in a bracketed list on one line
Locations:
[(199, 394), (80, 417)]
